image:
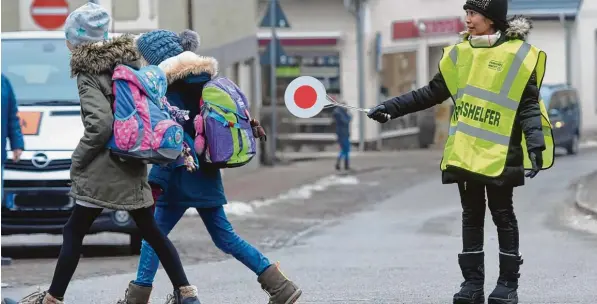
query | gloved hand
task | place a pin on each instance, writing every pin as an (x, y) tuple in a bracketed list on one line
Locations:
[(258, 131), (536, 158), (379, 114)]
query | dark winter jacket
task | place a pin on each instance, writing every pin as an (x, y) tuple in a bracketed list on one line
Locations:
[(187, 73), (528, 119), (11, 129), (97, 176), (342, 119)]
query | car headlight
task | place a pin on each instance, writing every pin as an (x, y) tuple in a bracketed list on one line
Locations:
[(559, 124)]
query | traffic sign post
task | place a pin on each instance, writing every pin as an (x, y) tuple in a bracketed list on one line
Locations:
[(49, 14), (274, 18)]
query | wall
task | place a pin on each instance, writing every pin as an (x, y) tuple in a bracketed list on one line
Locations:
[(550, 36), (586, 32)]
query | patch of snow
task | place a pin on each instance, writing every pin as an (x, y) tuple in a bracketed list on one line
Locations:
[(301, 193)]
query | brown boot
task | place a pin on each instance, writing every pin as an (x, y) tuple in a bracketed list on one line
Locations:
[(280, 289), (136, 294), (40, 297)]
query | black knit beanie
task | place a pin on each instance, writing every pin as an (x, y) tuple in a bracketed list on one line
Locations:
[(496, 10)]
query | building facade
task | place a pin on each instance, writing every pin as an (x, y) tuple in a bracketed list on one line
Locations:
[(567, 31), (403, 45)]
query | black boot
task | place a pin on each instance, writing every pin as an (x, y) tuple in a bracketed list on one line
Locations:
[(338, 164), (507, 285), (473, 271), (346, 164)]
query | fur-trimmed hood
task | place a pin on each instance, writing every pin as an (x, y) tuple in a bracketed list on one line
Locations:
[(519, 27), (186, 64), (102, 57)]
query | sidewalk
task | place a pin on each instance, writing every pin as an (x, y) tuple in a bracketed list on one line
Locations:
[(586, 194), (267, 182)]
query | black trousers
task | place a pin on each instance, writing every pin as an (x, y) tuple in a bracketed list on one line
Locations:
[(79, 223), (499, 200)]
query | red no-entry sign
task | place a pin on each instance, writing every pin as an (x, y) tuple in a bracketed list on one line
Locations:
[(49, 14)]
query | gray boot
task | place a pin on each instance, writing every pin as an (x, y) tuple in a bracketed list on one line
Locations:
[(184, 295), (40, 297), (136, 294), (280, 289)]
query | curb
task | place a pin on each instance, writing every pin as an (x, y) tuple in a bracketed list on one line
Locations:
[(579, 202)]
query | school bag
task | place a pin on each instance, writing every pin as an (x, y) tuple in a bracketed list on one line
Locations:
[(226, 125), (146, 127)]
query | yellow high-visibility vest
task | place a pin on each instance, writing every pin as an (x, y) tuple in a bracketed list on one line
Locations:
[(486, 86)]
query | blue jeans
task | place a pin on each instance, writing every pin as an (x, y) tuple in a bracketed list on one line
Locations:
[(344, 147), (218, 227)]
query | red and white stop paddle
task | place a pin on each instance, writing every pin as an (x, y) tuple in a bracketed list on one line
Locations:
[(306, 96)]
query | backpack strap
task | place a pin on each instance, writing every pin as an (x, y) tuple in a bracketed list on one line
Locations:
[(223, 120), (228, 110)]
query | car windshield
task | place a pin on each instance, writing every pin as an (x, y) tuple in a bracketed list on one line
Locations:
[(545, 95), (39, 71)]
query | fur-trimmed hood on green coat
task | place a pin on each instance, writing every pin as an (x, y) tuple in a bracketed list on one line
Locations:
[(97, 176), (103, 57)]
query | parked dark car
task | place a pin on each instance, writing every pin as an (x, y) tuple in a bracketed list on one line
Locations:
[(563, 107)]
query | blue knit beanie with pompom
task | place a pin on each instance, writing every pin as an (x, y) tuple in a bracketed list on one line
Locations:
[(159, 45)]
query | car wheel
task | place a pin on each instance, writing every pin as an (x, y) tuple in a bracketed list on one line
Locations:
[(572, 148), (135, 243)]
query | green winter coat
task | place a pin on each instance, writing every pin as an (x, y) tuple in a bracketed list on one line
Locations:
[(97, 176)]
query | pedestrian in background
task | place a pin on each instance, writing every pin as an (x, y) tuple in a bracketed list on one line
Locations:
[(100, 179), (11, 127), (498, 129), (342, 119), (176, 189)]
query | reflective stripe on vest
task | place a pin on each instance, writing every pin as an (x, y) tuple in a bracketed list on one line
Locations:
[(490, 115)]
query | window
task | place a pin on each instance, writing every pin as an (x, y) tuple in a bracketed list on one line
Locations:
[(572, 98), (559, 100), (38, 70), (399, 76)]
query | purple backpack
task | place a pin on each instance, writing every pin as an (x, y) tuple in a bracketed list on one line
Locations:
[(226, 125)]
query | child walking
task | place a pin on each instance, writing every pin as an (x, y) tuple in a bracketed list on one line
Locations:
[(99, 179), (177, 189)]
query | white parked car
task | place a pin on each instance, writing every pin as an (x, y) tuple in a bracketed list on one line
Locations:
[(35, 188)]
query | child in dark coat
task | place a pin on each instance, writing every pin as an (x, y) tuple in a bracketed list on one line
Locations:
[(176, 189)]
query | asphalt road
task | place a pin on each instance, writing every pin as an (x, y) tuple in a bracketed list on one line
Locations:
[(404, 249)]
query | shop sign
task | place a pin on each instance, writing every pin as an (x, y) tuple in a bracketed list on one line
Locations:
[(426, 27)]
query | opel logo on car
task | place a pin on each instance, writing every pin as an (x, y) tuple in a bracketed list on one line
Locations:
[(40, 160)]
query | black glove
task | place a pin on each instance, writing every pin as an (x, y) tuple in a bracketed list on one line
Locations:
[(379, 114), (536, 158)]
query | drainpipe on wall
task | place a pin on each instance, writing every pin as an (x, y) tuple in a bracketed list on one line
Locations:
[(190, 14), (568, 29)]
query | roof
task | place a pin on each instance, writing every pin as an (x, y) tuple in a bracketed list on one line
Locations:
[(544, 8), (39, 35)]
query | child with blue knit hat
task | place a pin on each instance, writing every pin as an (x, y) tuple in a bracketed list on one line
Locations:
[(176, 189), (100, 180)]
